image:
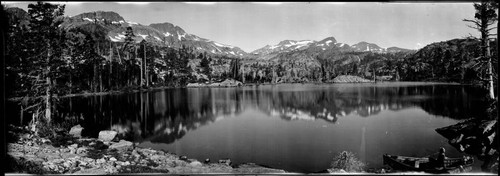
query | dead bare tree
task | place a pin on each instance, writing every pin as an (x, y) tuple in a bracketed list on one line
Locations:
[(484, 18)]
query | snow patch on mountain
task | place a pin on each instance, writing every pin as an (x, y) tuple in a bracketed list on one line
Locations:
[(133, 23), (88, 19), (115, 39), (143, 36), (328, 42), (222, 45)]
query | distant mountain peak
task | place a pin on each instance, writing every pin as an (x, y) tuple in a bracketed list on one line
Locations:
[(161, 34), (100, 15), (332, 39), (285, 42), (167, 27)]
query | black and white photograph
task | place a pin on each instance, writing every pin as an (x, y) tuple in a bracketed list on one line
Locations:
[(259, 88)]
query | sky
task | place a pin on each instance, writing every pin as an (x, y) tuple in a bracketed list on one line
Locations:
[(253, 25)]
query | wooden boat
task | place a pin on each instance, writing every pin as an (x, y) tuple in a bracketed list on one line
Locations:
[(428, 164)]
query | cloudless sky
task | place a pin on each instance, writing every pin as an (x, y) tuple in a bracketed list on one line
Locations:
[(253, 25)]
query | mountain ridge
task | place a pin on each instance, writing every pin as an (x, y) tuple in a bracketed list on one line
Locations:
[(168, 34)]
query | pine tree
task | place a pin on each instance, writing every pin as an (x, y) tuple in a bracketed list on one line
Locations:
[(129, 48), (129, 45), (205, 65), (45, 43)]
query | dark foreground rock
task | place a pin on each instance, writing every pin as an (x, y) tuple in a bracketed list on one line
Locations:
[(475, 137), (31, 154)]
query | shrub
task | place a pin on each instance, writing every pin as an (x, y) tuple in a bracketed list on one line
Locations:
[(348, 162)]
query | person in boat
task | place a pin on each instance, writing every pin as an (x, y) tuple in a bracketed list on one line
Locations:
[(441, 158)]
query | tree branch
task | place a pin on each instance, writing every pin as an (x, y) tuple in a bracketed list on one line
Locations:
[(491, 28), (473, 21), (473, 27)]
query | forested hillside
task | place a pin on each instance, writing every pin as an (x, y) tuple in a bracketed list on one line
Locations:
[(102, 51)]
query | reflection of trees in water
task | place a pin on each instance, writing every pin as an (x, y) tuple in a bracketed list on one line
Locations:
[(165, 116), (457, 102)]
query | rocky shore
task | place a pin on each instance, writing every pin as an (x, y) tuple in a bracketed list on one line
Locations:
[(71, 154), (349, 79), (225, 83), (67, 152), (475, 137)]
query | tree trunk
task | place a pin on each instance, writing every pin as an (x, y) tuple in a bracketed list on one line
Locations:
[(119, 58), (486, 47), (48, 103), (110, 65), (490, 71), (94, 80), (70, 83), (141, 63), (146, 67), (397, 75), (374, 76), (100, 78), (128, 70), (99, 69)]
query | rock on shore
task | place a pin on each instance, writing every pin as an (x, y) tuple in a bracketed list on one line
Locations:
[(349, 79), (107, 135), (225, 83), (76, 131)]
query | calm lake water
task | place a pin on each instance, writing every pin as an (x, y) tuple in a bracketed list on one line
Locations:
[(296, 127)]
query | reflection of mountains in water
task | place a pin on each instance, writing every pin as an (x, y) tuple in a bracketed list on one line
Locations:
[(165, 116)]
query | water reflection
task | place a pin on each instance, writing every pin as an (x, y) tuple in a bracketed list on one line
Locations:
[(167, 115), (299, 125)]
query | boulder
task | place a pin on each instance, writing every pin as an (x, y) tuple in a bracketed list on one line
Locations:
[(195, 85), (230, 83), (122, 145), (76, 131), (107, 135), (183, 157), (73, 146), (81, 150), (349, 79), (488, 127), (225, 83), (225, 161), (100, 161), (195, 164)]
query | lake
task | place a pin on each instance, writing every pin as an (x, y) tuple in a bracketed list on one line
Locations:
[(296, 127)]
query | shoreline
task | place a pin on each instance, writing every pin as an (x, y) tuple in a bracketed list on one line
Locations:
[(70, 153), (73, 155), (117, 92)]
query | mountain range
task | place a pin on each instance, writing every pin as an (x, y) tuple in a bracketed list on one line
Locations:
[(167, 34), (163, 34)]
